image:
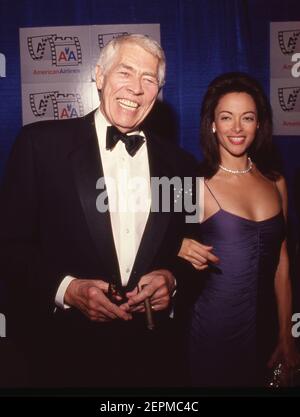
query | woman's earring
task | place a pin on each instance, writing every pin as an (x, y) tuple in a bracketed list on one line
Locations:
[(214, 129)]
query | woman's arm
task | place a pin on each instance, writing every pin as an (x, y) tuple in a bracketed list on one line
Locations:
[(285, 349), (198, 254)]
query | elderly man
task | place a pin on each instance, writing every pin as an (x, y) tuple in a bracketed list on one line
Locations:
[(84, 266)]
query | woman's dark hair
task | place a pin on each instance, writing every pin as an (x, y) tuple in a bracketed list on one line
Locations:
[(261, 151)]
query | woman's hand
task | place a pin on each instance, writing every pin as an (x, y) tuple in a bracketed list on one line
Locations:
[(197, 254), (285, 352)]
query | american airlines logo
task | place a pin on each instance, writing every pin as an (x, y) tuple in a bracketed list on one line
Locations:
[(104, 38), (56, 105), (289, 98), (288, 40), (61, 50)]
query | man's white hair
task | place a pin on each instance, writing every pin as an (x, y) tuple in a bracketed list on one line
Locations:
[(109, 51)]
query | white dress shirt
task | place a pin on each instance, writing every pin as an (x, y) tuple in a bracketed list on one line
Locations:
[(127, 181)]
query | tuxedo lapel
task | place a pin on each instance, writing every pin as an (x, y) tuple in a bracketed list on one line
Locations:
[(157, 221), (87, 169)]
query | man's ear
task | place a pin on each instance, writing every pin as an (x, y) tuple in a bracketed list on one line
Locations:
[(99, 77)]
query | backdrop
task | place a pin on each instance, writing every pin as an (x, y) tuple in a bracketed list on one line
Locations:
[(202, 38)]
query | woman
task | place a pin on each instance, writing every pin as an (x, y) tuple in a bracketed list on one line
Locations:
[(241, 320)]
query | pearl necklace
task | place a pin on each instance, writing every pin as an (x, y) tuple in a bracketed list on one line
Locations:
[(238, 171)]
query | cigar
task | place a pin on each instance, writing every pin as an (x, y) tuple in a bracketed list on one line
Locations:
[(149, 313)]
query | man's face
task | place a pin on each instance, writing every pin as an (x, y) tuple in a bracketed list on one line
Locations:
[(129, 88)]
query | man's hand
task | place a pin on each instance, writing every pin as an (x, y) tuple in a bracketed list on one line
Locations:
[(197, 254), (89, 296), (157, 285)]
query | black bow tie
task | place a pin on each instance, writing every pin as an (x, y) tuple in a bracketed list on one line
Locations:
[(132, 142)]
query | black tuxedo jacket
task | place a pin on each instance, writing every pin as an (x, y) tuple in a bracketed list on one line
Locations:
[(49, 223)]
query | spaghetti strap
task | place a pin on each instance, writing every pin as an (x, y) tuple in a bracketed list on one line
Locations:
[(212, 194)]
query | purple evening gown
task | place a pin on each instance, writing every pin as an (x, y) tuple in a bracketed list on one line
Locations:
[(233, 325)]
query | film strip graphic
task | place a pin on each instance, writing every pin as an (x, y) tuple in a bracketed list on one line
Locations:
[(61, 50), (104, 38), (56, 105), (37, 45), (289, 98), (288, 40)]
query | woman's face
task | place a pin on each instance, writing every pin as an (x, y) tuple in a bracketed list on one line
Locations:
[(235, 123)]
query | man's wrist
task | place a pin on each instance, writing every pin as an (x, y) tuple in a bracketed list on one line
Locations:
[(60, 300)]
